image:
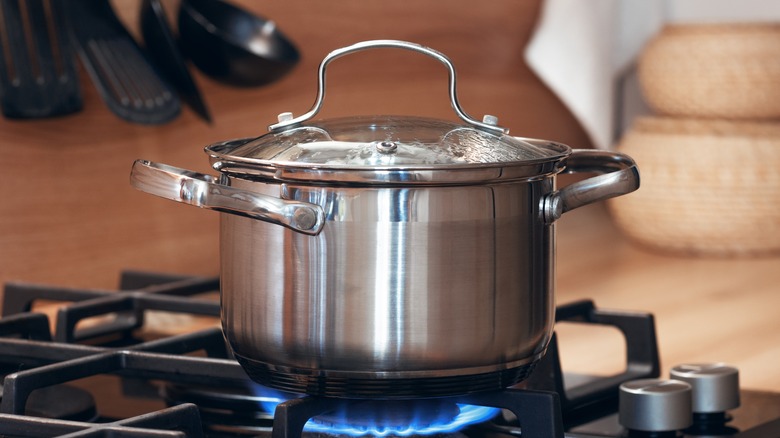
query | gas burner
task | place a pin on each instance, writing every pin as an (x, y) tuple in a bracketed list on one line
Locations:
[(537, 413), (399, 418), (250, 411), (390, 417)]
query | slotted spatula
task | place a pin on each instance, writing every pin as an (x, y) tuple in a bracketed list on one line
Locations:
[(120, 70), (37, 72)]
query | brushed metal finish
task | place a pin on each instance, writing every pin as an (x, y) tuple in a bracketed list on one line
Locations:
[(414, 282), (715, 386), (655, 405)]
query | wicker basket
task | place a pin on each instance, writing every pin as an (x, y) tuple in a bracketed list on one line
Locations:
[(713, 71), (708, 187)]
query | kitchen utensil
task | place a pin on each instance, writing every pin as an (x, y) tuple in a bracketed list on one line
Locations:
[(232, 45), (164, 52), (416, 256), (122, 74), (37, 73)]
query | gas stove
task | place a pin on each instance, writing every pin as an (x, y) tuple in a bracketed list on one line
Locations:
[(99, 368)]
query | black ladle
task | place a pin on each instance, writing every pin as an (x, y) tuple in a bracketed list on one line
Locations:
[(232, 45)]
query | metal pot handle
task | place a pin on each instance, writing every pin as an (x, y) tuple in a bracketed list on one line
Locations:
[(488, 122), (206, 191), (620, 176)]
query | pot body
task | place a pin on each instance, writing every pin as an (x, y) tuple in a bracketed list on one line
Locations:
[(418, 290), (388, 256)]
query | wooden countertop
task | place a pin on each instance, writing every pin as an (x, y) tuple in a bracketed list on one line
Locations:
[(706, 309), (69, 217)]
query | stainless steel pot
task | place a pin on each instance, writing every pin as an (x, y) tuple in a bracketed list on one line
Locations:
[(415, 257)]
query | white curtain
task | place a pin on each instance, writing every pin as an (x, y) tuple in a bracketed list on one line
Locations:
[(584, 50)]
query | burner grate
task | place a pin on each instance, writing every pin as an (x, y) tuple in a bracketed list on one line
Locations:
[(56, 363), (49, 361), (127, 307), (32, 326), (175, 422), (33, 358), (583, 402), (128, 363)]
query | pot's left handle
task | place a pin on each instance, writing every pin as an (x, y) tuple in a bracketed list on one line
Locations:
[(620, 176), (205, 191)]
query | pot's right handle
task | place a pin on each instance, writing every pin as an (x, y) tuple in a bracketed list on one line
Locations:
[(620, 176)]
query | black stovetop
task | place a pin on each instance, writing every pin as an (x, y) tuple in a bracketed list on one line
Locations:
[(114, 378)]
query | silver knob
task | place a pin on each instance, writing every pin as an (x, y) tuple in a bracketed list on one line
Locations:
[(655, 405), (715, 386), (386, 147)]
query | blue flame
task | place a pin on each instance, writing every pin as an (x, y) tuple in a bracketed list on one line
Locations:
[(467, 415)]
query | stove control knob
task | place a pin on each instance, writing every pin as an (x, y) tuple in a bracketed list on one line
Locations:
[(715, 386), (655, 405)]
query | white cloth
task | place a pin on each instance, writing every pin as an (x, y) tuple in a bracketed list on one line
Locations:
[(581, 47)]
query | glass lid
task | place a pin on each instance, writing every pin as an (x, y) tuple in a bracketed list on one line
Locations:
[(385, 141), (387, 149)]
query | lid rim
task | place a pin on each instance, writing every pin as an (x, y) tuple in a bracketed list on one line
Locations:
[(223, 158), (279, 153), (375, 177)]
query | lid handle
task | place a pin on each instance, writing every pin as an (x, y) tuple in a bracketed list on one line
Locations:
[(489, 123)]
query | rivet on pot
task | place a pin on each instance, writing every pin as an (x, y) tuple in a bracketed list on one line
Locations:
[(304, 218), (490, 120), (551, 207), (386, 147)]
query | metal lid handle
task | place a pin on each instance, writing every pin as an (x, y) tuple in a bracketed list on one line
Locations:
[(287, 119)]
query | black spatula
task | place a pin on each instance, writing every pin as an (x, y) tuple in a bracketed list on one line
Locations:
[(37, 73), (120, 70)]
